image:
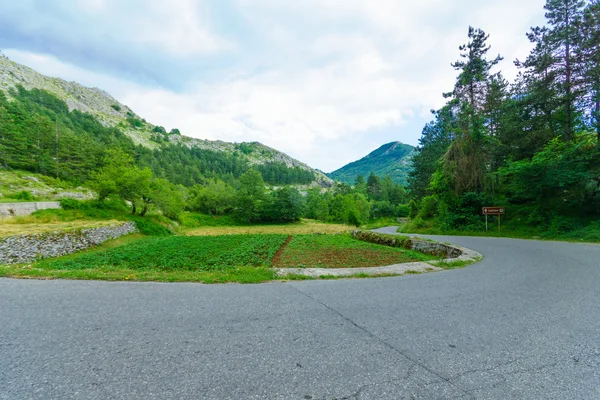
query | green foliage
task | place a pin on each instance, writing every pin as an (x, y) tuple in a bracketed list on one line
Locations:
[(159, 129), (135, 123), (286, 206), (218, 253), (403, 210), (429, 207), (24, 195), (528, 145), (251, 198), (150, 226), (116, 107), (195, 220), (276, 173), (215, 197), (70, 204), (174, 131)]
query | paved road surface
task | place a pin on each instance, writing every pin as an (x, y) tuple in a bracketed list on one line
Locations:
[(522, 324)]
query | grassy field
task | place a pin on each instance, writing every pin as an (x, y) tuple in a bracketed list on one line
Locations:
[(303, 227), (28, 225)]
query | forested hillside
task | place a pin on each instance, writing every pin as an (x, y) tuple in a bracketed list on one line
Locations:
[(39, 94), (391, 159), (531, 145)]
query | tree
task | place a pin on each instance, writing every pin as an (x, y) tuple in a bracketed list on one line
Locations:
[(563, 38), (466, 160), (590, 55), (286, 206), (374, 187), (251, 197), (216, 197), (122, 177), (433, 144), (167, 197)]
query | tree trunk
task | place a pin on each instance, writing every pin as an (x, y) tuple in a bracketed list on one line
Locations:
[(134, 209), (144, 211)]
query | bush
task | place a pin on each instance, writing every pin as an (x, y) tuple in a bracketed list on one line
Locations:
[(429, 207), (414, 209), (70, 204), (24, 195), (116, 107), (403, 210), (135, 123), (560, 225), (149, 227), (159, 129)]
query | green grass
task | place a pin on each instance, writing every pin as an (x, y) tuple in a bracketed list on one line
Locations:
[(456, 264), (342, 251), (380, 223)]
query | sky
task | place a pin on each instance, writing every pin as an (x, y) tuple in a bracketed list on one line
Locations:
[(325, 81)]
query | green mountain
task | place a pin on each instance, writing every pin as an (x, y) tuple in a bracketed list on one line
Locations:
[(393, 159), (92, 116)]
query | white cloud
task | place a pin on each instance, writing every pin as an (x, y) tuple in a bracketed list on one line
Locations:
[(335, 76)]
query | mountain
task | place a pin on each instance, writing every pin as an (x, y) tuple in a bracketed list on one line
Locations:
[(111, 113), (393, 159)]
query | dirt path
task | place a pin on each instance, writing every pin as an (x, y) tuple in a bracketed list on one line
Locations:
[(279, 253)]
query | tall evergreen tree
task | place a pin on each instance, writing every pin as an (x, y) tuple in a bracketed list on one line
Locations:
[(563, 39), (590, 55), (466, 159)]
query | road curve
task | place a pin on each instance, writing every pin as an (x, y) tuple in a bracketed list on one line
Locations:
[(522, 324)]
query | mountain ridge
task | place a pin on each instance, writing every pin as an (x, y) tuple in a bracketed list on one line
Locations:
[(393, 159)]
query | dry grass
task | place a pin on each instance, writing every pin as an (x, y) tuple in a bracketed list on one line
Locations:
[(21, 226), (304, 227)]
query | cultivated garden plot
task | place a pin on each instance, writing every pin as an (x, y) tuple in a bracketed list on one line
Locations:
[(215, 259)]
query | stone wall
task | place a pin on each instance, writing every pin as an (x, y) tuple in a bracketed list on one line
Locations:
[(433, 248), (28, 248), (15, 209)]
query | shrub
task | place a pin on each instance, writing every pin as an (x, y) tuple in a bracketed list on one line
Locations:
[(429, 207), (135, 123), (159, 129), (24, 195), (149, 227), (414, 209), (70, 204), (403, 210), (116, 107)]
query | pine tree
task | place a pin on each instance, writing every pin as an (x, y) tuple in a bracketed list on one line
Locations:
[(590, 55), (563, 40)]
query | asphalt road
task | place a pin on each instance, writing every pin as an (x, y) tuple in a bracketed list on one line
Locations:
[(522, 324)]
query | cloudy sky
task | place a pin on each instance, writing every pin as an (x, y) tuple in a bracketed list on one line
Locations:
[(326, 81)]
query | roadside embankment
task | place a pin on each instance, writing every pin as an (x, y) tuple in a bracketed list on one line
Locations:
[(28, 248)]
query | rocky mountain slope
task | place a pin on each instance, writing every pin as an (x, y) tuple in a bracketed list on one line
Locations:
[(110, 112), (393, 159)]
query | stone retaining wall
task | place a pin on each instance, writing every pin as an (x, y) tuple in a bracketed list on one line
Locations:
[(433, 248), (28, 248), (15, 209)]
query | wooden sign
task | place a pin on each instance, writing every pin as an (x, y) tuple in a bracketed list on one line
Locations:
[(493, 210)]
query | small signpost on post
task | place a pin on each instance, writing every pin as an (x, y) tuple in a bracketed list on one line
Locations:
[(492, 211)]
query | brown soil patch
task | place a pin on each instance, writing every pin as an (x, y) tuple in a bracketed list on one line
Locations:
[(279, 253)]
